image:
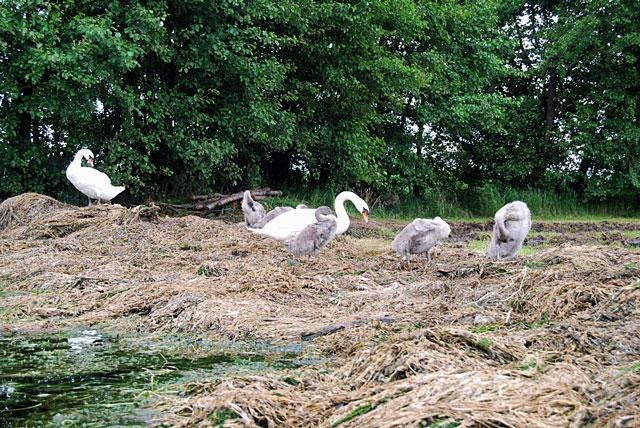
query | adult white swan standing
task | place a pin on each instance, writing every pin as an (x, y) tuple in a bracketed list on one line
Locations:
[(288, 224), (91, 182)]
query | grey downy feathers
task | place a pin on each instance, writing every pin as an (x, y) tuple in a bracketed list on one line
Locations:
[(420, 236), (255, 215), (310, 240), (512, 224)]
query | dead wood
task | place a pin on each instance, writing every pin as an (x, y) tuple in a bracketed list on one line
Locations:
[(217, 200), (330, 329)]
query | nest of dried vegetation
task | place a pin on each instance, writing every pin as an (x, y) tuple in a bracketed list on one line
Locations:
[(547, 340)]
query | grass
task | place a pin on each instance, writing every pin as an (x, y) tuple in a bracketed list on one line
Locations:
[(354, 414), (483, 344), (630, 234), (222, 416), (482, 246), (486, 328), (479, 203), (634, 368), (526, 365), (544, 319)]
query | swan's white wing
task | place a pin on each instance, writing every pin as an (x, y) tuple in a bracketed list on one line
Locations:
[(93, 183), (288, 224), (95, 177)]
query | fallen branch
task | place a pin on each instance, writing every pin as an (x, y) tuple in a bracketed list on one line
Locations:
[(206, 197), (225, 200), (330, 329), (216, 200)]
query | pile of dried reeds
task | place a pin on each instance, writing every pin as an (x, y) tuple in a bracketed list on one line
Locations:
[(546, 340)]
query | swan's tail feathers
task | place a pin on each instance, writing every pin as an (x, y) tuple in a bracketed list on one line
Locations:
[(258, 231), (116, 191)]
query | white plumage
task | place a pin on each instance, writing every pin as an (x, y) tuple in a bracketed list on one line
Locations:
[(290, 223), (93, 183)]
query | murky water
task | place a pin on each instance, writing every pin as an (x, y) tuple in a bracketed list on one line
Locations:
[(85, 378)]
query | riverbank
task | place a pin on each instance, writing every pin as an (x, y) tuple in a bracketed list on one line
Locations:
[(548, 339)]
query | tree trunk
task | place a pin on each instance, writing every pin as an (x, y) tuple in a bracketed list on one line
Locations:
[(550, 108), (24, 118)]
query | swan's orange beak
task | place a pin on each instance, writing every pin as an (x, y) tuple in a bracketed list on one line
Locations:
[(90, 161), (365, 215)]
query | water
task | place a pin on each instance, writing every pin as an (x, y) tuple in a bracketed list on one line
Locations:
[(86, 378)]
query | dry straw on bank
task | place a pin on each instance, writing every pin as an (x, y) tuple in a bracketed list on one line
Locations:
[(547, 340)]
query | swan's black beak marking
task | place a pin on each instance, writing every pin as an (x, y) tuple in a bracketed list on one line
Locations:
[(365, 215)]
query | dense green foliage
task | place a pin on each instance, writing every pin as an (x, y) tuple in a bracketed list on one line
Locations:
[(407, 97)]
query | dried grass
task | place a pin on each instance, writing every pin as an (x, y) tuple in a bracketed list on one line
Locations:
[(546, 340)]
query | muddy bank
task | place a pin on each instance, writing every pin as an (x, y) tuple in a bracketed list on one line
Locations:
[(546, 340), (543, 232)]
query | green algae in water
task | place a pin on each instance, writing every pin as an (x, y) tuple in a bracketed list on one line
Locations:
[(89, 379)]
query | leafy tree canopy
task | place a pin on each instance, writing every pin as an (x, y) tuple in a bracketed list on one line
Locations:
[(400, 96)]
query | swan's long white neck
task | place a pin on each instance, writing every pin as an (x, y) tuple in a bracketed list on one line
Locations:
[(341, 213), (77, 160)]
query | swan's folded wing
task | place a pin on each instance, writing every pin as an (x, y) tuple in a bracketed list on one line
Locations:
[(424, 226), (96, 178)]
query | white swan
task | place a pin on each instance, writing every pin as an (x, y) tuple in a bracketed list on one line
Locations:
[(91, 182), (288, 224)]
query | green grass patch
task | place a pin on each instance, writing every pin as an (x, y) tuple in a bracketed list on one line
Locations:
[(630, 234), (220, 417), (528, 251), (291, 380), (482, 246), (534, 264), (471, 204), (354, 414), (526, 365), (486, 328), (635, 368), (381, 337), (540, 322), (478, 245), (483, 344)]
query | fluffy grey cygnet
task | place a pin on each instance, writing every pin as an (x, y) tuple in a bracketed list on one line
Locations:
[(252, 209), (310, 240), (420, 236), (255, 215), (512, 224)]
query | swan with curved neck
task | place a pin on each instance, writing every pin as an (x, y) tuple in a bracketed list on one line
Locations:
[(290, 223), (91, 182)]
